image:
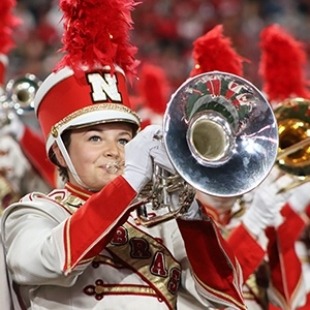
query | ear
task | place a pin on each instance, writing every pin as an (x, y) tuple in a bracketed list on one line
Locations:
[(58, 155)]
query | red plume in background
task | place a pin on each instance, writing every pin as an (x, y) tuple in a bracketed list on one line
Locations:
[(98, 34), (283, 60), (7, 24), (153, 87), (214, 51)]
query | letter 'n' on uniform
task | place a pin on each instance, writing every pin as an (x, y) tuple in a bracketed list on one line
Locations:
[(104, 87)]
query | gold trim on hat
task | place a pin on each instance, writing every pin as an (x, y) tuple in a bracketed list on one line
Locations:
[(93, 108)]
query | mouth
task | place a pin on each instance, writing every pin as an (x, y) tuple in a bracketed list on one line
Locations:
[(114, 167)]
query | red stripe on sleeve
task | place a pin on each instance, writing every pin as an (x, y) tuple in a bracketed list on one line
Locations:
[(92, 226)]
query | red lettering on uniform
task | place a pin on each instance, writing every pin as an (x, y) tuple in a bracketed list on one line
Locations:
[(174, 281), (139, 248), (158, 265), (120, 237)]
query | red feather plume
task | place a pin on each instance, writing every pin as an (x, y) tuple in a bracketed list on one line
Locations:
[(8, 22), (283, 60), (97, 34), (153, 87), (214, 51)]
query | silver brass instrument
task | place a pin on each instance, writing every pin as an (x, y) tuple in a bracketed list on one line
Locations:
[(166, 192), (18, 97), (21, 92), (221, 136)]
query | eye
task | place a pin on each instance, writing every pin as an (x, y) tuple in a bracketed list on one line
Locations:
[(123, 141), (94, 138)]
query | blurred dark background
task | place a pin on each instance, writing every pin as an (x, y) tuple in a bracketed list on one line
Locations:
[(164, 32)]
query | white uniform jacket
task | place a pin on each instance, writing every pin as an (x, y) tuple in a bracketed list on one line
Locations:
[(73, 249)]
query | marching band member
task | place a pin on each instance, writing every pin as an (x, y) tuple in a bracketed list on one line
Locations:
[(282, 68), (8, 192), (263, 252), (82, 247), (14, 166), (26, 137), (16, 175)]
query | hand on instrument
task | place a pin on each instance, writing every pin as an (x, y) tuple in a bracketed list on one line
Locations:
[(266, 205), (160, 158), (138, 162), (300, 197)]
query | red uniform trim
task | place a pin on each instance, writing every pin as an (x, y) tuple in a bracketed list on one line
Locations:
[(78, 192), (292, 227), (286, 270), (212, 261), (247, 250), (92, 226), (33, 147)]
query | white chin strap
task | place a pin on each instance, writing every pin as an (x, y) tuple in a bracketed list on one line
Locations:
[(69, 162)]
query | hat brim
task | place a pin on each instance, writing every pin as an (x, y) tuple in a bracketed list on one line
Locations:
[(94, 117)]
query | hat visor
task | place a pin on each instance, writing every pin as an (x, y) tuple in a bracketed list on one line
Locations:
[(93, 118)]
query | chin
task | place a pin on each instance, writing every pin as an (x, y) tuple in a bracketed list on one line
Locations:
[(108, 179)]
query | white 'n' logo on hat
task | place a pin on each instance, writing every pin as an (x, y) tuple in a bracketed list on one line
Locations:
[(104, 87)]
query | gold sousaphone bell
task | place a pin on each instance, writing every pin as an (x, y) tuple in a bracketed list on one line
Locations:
[(221, 136), (293, 117)]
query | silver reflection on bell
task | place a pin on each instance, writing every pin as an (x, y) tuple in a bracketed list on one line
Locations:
[(220, 134)]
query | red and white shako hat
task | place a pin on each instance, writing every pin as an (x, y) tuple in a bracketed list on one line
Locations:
[(88, 86), (65, 100)]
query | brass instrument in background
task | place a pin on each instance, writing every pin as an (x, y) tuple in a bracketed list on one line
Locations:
[(21, 92), (18, 97), (221, 136), (293, 117)]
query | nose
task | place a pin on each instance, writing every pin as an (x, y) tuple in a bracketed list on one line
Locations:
[(113, 150)]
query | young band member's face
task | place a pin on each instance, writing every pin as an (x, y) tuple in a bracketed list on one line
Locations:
[(97, 153)]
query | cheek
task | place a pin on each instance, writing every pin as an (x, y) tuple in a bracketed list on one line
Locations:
[(84, 158), (122, 152), (89, 159)]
